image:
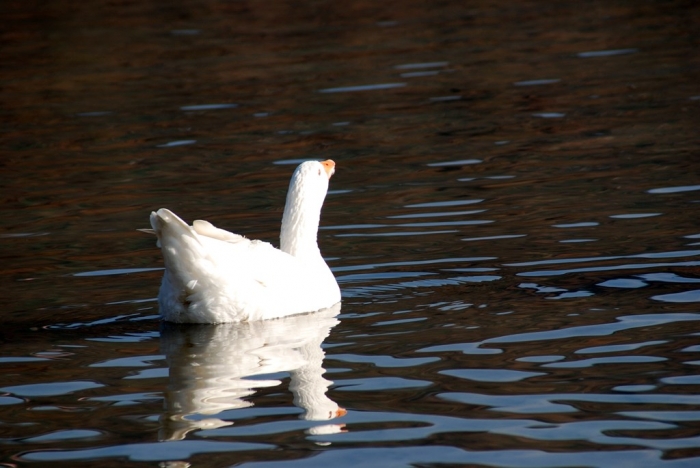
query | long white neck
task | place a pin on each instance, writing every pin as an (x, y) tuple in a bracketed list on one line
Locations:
[(300, 223), (308, 385)]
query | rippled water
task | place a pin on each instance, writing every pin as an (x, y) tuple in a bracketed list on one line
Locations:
[(512, 223)]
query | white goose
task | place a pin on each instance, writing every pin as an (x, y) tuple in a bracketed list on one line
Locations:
[(215, 276)]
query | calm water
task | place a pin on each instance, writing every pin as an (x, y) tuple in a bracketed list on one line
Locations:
[(513, 223)]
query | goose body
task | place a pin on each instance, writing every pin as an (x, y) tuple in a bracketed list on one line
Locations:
[(215, 276)]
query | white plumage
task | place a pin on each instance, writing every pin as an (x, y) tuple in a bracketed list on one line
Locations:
[(215, 276)]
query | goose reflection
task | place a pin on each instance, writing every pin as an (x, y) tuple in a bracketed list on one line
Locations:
[(210, 369)]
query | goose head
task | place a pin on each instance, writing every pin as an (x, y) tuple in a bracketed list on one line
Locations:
[(302, 212)]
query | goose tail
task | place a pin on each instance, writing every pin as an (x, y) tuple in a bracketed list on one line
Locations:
[(188, 266)]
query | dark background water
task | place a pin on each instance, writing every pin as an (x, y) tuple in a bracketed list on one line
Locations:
[(512, 223)]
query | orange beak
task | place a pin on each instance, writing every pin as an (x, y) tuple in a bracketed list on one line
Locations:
[(329, 166), (341, 411)]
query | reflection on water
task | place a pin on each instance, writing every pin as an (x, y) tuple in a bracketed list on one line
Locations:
[(512, 223), (214, 368)]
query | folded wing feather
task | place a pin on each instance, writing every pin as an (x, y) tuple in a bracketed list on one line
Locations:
[(210, 269)]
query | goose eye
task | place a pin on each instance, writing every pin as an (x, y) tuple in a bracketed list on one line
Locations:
[(319, 172)]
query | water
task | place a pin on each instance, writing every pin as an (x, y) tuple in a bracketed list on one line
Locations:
[(511, 222)]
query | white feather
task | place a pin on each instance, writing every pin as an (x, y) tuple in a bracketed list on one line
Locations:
[(214, 276)]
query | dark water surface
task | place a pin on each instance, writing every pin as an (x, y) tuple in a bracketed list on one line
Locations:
[(513, 222)]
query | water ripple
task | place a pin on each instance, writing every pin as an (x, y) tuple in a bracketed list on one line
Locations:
[(604, 360), (50, 388), (685, 296), (684, 188), (632, 266), (552, 402), (604, 329), (413, 66), (607, 53), (491, 375), (429, 455), (371, 87), (144, 452), (381, 360)]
